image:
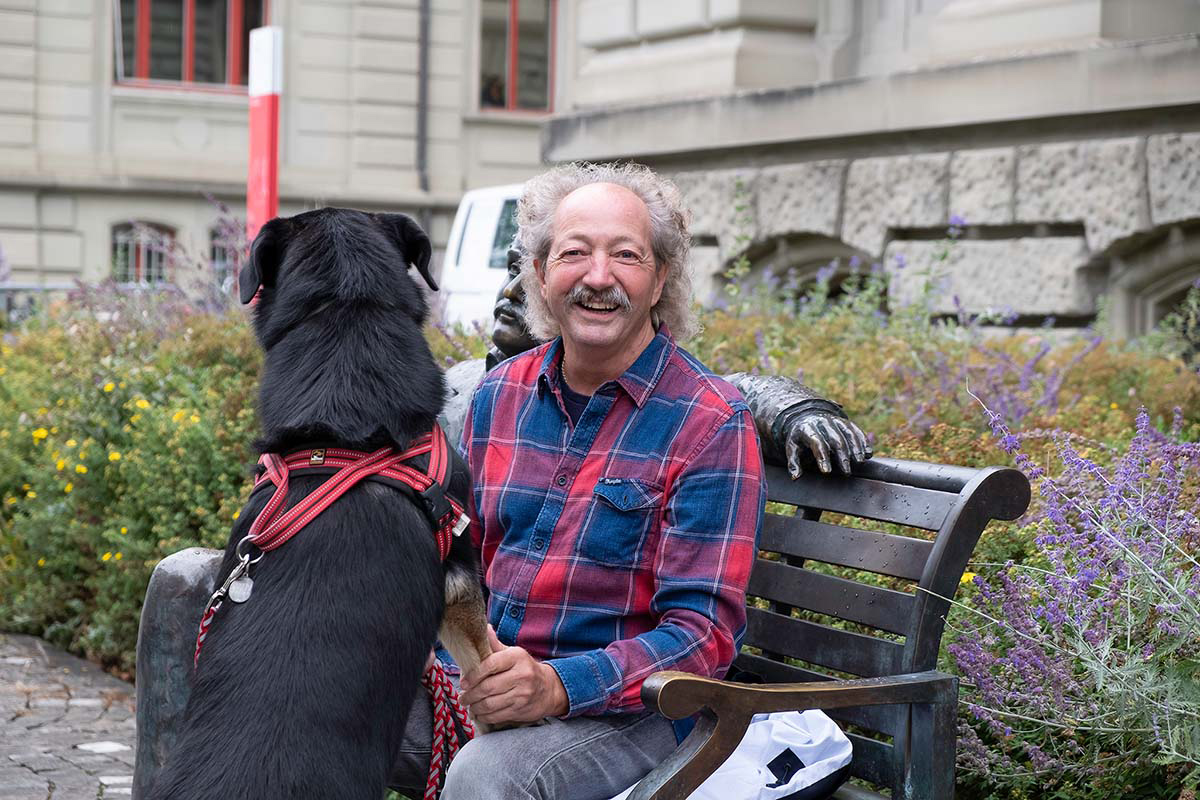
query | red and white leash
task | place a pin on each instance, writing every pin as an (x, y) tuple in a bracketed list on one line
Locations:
[(271, 529), (446, 711)]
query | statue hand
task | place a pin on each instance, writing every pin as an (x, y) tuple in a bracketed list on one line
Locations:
[(827, 437)]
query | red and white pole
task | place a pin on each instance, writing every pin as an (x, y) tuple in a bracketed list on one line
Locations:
[(266, 84)]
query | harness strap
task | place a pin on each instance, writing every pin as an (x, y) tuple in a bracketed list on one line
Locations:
[(270, 529), (446, 711)]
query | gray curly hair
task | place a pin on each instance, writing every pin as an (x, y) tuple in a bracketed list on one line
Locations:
[(669, 238)]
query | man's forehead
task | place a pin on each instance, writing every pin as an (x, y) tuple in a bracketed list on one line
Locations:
[(607, 201)]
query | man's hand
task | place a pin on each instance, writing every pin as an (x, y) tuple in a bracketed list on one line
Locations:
[(512, 686), (828, 437)]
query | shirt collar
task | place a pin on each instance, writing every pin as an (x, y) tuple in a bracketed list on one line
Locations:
[(638, 381)]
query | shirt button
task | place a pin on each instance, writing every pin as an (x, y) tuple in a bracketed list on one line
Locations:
[(561, 480), (514, 612), (538, 544)]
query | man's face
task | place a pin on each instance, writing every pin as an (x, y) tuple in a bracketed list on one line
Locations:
[(509, 333), (600, 280)]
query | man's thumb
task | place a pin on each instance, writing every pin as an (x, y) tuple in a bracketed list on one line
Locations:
[(494, 640)]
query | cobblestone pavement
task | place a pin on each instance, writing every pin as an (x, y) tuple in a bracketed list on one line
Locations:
[(66, 727)]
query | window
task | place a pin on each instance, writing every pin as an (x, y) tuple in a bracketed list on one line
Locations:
[(225, 248), (516, 54), (188, 41), (506, 232), (141, 253)]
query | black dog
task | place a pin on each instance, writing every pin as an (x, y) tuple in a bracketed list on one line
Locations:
[(303, 690)]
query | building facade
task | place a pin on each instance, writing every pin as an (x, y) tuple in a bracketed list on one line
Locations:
[(124, 122), (1063, 136)]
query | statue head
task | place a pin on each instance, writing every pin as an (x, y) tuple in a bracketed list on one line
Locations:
[(510, 332)]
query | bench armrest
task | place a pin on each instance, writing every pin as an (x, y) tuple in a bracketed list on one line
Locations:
[(726, 708)]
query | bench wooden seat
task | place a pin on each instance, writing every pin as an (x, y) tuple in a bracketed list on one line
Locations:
[(899, 711)]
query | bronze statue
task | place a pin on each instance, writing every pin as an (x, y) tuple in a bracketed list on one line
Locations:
[(794, 423)]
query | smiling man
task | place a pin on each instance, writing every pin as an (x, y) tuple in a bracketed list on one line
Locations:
[(619, 492)]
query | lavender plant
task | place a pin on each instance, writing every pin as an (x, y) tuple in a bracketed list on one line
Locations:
[(1081, 665)]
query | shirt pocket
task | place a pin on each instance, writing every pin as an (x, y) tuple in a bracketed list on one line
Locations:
[(624, 511)]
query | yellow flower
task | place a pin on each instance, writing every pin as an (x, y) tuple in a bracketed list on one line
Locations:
[(54, 429), (108, 387), (124, 530), (83, 453), (31, 494), (81, 469), (967, 577), (126, 428), (39, 434), (237, 514), (43, 410), (142, 403), (195, 418), (121, 384), (70, 442), (117, 556), (41, 562), (10, 501), (135, 418), (114, 456), (178, 415), (61, 465), (6, 350), (1113, 406), (106, 557), (70, 487), (3, 370)]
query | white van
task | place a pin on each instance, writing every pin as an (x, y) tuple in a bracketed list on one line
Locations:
[(476, 264)]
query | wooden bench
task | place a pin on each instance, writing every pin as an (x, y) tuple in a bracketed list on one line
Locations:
[(899, 695), (900, 711)]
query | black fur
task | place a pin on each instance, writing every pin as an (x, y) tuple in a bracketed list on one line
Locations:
[(303, 691)]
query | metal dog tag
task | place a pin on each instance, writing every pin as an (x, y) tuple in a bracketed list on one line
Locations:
[(239, 590)]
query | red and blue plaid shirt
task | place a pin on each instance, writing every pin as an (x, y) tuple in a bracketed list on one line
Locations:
[(622, 545)]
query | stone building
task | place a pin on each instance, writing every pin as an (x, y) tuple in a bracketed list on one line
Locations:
[(1066, 133), (119, 119)]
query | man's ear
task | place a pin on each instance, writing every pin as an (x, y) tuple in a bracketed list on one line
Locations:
[(266, 254), (411, 240)]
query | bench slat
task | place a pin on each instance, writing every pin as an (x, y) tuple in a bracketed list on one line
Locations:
[(828, 647), (872, 760), (885, 609), (882, 719), (861, 497), (882, 553)]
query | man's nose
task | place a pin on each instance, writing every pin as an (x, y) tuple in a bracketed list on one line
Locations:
[(600, 273)]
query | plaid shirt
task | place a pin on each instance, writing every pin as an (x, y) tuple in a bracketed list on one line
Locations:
[(623, 545)]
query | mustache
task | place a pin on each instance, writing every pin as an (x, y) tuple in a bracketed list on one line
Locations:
[(612, 296)]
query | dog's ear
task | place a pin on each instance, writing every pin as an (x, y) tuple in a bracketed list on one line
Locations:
[(411, 240), (266, 254)]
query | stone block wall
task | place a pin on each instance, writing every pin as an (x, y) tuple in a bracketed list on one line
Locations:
[(1041, 219)]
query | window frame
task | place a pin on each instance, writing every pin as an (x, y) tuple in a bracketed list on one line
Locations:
[(235, 31), (512, 45), (137, 233)]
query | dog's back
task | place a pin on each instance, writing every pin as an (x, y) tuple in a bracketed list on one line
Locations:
[(303, 691)]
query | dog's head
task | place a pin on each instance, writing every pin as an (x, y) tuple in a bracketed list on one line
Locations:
[(334, 256), (340, 320)]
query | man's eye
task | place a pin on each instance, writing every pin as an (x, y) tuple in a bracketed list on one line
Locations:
[(627, 257)]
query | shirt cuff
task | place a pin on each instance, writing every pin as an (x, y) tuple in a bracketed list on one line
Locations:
[(586, 677)]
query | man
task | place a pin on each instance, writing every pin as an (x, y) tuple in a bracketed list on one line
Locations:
[(619, 490)]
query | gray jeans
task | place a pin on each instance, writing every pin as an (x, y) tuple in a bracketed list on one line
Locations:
[(582, 758)]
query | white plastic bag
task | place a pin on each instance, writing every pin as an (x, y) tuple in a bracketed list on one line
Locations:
[(819, 747)]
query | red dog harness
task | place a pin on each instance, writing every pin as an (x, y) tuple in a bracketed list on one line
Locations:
[(271, 529)]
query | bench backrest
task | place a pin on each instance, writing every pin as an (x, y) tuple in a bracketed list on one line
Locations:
[(892, 631)]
